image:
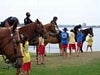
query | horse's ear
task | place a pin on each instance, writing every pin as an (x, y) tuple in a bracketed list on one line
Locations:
[(37, 21), (6, 24)]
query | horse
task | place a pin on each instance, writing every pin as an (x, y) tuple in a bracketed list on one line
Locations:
[(10, 46), (52, 36), (75, 29), (32, 31), (85, 32), (11, 21)]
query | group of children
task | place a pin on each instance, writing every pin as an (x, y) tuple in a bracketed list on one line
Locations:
[(68, 41)]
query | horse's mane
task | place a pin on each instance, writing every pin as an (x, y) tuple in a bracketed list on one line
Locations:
[(87, 31)]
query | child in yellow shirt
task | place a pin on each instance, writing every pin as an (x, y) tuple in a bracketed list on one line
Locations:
[(89, 43), (26, 67)]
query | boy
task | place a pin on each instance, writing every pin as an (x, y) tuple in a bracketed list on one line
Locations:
[(89, 43)]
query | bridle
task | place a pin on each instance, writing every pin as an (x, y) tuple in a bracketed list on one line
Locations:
[(15, 43), (90, 31)]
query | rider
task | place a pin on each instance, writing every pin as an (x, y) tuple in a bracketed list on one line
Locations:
[(54, 21), (27, 20)]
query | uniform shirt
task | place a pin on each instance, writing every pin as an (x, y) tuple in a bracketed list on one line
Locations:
[(80, 37), (71, 38), (27, 21), (25, 52), (89, 40), (64, 38)]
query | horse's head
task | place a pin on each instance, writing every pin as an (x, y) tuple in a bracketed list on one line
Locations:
[(40, 28), (10, 46), (91, 31), (50, 28)]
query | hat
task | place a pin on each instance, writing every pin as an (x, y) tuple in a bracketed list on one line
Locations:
[(65, 29)]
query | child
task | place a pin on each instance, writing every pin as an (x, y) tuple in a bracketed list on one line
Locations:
[(26, 67), (41, 50), (64, 42), (72, 42), (89, 43)]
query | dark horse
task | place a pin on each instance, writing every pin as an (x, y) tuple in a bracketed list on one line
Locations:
[(85, 32), (10, 46), (11, 21)]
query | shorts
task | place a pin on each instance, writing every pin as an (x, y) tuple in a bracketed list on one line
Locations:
[(79, 44), (41, 50), (89, 45), (26, 66), (64, 46), (72, 46)]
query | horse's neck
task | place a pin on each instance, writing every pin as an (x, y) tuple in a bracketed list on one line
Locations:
[(29, 30), (47, 27), (85, 32)]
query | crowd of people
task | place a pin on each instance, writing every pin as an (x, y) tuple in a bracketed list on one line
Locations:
[(67, 41)]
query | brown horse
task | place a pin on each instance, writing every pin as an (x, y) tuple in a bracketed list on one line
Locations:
[(33, 29), (10, 46), (51, 37)]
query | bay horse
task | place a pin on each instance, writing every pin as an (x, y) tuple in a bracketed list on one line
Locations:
[(51, 36), (33, 29), (10, 46)]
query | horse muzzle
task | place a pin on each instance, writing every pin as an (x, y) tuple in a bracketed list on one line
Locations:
[(17, 64)]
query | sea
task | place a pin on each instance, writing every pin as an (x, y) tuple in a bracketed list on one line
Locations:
[(54, 48)]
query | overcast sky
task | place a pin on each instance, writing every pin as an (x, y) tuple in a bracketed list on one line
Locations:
[(68, 11)]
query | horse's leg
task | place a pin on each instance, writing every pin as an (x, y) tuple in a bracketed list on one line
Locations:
[(60, 49), (36, 54), (81, 48), (18, 71)]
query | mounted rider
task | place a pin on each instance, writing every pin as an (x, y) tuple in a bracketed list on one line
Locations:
[(27, 20), (54, 21)]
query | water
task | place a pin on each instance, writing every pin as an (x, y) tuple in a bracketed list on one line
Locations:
[(54, 48)]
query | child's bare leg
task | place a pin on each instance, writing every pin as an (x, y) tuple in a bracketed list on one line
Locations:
[(86, 48), (65, 52), (91, 49)]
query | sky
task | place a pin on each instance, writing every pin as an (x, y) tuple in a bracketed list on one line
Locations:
[(67, 11)]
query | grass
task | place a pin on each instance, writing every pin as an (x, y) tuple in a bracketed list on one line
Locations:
[(85, 64)]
